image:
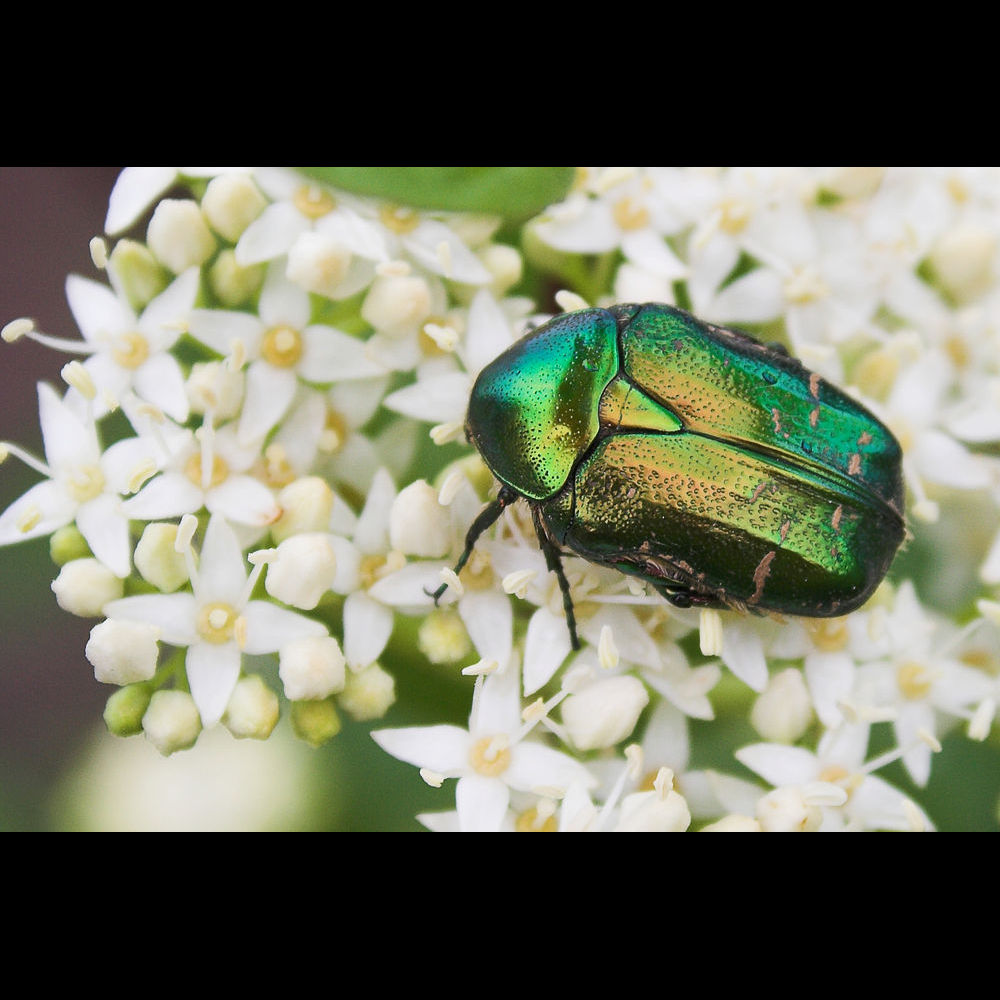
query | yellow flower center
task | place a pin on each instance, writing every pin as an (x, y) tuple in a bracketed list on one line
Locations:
[(806, 285), (313, 202), (217, 474), (131, 350), (85, 482), (876, 373), (335, 432), (630, 214), (957, 349), (274, 467), (914, 680), (216, 622), (830, 635), (477, 574), (399, 218), (733, 216), (490, 756), (533, 821), (282, 347), (377, 565)]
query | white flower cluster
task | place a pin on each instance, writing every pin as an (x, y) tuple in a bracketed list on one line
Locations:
[(271, 361)]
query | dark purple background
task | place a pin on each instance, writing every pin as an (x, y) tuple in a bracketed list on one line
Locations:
[(49, 699)]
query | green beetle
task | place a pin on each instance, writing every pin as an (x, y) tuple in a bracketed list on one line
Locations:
[(716, 468)]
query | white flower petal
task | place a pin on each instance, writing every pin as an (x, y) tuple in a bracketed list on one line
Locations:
[(367, 627), (271, 234), (437, 399), (330, 355), (173, 614), (535, 766), (481, 804), (270, 627), (546, 646), (160, 381), (743, 653), (488, 332), (443, 749), (166, 316), (99, 313), (45, 506), (222, 572), (269, 393), (830, 677), (135, 190), (372, 533), (489, 620), (69, 440), (169, 495), (212, 672), (458, 263), (218, 328), (105, 527), (778, 764), (282, 301)]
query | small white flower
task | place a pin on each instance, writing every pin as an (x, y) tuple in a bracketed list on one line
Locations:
[(218, 622), (490, 758), (83, 484), (281, 346)]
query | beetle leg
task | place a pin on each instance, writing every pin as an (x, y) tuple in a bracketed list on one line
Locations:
[(486, 517), (553, 560)]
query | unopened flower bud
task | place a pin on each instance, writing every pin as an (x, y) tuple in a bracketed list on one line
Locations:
[(84, 586), (157, 558), (734, 823), (442, 637), (318, 263), (67, 544), (395, 304), (783, 711), (853, 182), (367, 694), (230, 203), (171, 722), (179, 236), (604, 713), (301, 570), (316, 722), (504, 264), (306, 505), (418, 524), (654, 813), (123, 652), (962, 259), (125, 708), (785, 810), (139, 276), (312, 668), (253, 709), (234, 284)]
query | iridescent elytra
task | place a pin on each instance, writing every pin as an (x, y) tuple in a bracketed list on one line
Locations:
[(715, 467)]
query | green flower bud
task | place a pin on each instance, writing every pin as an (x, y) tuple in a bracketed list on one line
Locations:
[(316, 722), (140, 276), (124, 710), (67, 544)]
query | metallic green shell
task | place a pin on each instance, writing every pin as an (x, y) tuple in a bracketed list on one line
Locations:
[(695, 458)]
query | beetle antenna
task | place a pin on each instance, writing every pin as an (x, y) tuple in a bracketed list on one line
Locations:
[(553, 560), (487, 516)]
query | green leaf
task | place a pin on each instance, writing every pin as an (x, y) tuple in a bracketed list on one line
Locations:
[(510, 192)]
